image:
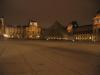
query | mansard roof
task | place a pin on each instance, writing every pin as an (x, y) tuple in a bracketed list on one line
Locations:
[(84, 29)]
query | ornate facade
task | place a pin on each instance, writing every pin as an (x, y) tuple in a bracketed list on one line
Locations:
[(14, 31), (96, 27), (31, 31), (86, 32)]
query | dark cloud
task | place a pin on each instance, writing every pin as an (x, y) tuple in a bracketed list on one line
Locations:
[(47, 11)]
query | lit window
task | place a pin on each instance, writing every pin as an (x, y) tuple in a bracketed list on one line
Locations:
[(35, 23)]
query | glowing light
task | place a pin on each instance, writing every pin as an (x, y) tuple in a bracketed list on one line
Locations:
[(69, 29), (35, 24), (30, 23), (90, 38), (37, 36), (5, 35)]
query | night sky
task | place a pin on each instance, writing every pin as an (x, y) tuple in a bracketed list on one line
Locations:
[(47, 11)]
